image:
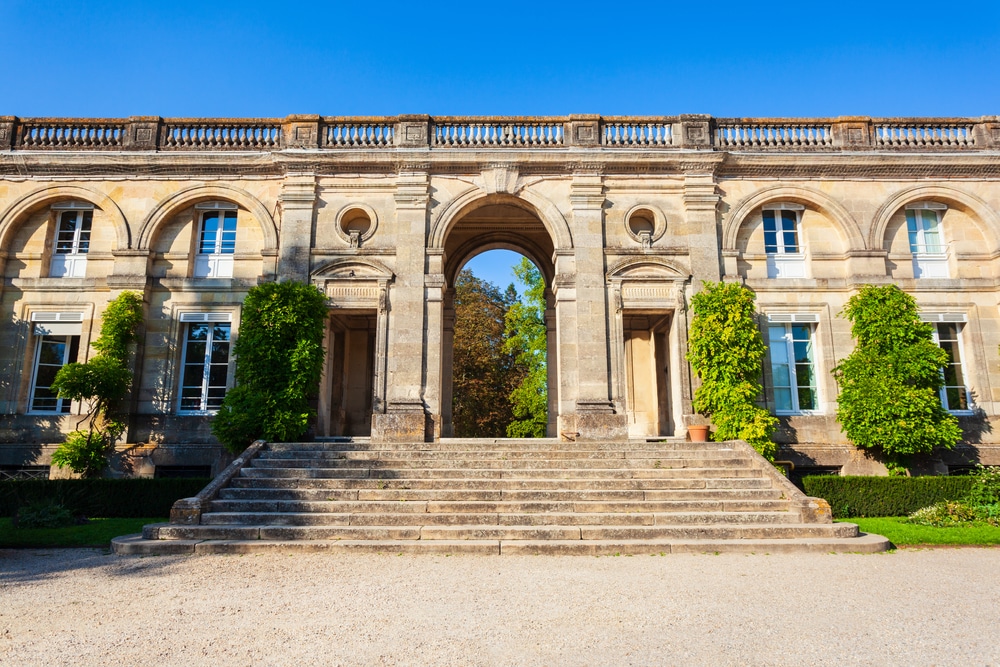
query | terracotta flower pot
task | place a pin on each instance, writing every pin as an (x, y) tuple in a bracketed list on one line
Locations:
[(698, 432)]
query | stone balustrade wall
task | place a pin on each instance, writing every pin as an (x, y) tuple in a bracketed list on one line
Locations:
[(498, 132)]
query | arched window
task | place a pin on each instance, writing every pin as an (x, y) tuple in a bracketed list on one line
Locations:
[(923, 226), (72, 239), (216, 240), (782, 241)]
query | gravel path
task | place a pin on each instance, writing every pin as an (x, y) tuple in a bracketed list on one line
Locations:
[(83, 607)]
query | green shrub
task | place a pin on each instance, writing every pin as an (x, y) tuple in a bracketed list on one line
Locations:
[(44, 513), (889, 398), (980, 506), (985, 486), (947, 514), (884, 496), (279, 360), (101, 383), (108, 498), (726, 351)]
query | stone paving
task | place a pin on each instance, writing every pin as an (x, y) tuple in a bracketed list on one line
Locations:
[(912, 607)]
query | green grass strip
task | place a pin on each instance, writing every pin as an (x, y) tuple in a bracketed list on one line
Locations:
[(94, 533), (901, 533)]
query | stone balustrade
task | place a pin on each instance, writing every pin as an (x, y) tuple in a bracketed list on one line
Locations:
[(493, 133)]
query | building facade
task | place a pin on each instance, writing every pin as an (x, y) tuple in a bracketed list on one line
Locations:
[(625, 216)]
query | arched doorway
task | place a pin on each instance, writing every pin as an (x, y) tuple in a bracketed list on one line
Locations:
[(509, 225)]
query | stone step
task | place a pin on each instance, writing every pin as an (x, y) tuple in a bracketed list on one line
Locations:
[(243, 485), (865, 543), (504, 519), (257, 505), (502, 463), (497, 532), (395, 471), (648, 454), (754, 483), (511, 445)]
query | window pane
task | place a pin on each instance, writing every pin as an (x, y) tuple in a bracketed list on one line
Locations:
[(781, 375), (220, 353), (193, 376), (209, 229), (804, 375), (783, 399), (770, 242), (776, 332), (779, 353), (807, 398), (769, 225), (197, 332), (803, 352), (790, 233), (195, 353), (957, 398), (221, 331), (52, 351)]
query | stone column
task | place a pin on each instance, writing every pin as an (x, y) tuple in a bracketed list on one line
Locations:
[(405, 415), (596, 418), (701, 201), (298, 203)]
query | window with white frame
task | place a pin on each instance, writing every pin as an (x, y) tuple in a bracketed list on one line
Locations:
[(923, 227), (782, 243), (57, 343), (204, 361), (793, 362), (948, 327), (72, 239), (216, 240)]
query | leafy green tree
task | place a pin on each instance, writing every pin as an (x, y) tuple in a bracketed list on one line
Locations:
[(726, 351), (890, 384), (279, 361), (484, 372), (527, 339), (103, 382)]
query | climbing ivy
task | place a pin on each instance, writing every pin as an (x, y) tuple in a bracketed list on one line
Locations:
[(726, 351), (103, 382), (279, 361), (890, 384)]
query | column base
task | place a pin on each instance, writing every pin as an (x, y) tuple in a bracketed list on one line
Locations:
[(593, 421), (403, 422)]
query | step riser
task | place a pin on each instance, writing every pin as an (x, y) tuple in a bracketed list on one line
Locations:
[(649, 456), (292, 492), (500, 464), (230, 506), (396, 473), (662, 485)]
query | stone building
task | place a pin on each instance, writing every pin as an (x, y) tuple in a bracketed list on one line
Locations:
[(625, 216)]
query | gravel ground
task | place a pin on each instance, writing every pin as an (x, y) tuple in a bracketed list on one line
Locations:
[(84, 607)]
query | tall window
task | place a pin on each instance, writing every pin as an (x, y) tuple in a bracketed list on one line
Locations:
[(216, 240), (51, 354), (954, 393), (72, 242), (205, 365), (793, 367), (782, 245), (923, 227)]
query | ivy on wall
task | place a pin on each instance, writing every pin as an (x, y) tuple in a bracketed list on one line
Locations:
[(103, 382), (890, 384), (726, 351), (279, 361)]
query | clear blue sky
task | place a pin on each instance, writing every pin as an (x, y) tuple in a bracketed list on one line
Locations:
[(261, 59), (249, 58)]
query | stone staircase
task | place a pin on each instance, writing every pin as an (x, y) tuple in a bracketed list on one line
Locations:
[(501, 496)]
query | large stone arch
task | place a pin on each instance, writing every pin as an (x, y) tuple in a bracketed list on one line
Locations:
[(190, 195), (471, 199), (798, 194), (500, 240), (14, 213), (984, 214)]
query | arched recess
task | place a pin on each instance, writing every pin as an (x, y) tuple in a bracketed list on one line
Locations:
[(800, 195), (987, 218), (353, 387), (473, 198), (14, 213), (647, 343), (164, 210)]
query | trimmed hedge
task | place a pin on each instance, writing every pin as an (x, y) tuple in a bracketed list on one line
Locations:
[(107, 498), (884, 496)]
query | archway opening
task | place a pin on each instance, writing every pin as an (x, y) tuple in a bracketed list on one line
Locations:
[(499, 326)]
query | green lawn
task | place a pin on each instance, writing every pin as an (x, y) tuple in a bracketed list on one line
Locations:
[(901, 533), (94, 533)]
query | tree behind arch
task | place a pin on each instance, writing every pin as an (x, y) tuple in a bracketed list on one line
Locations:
[(527, 338)]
